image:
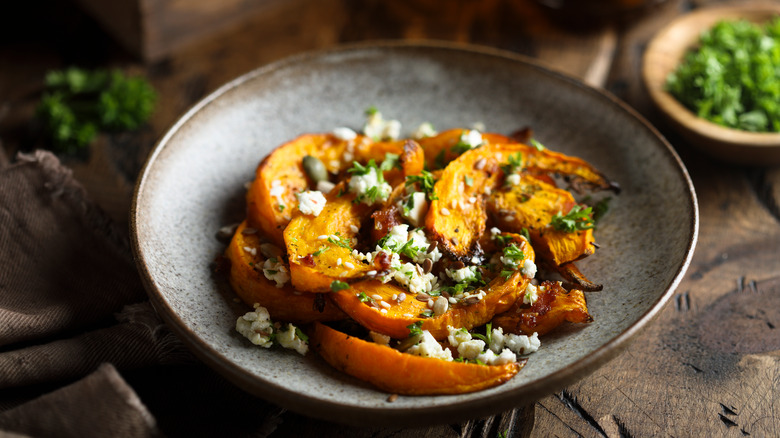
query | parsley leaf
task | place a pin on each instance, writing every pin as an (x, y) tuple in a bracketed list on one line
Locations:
[(537, 145), (576, 219), (339, 241), (514, 163), (391, 161), (301, 335), (364, 298), (415, 328), (425, 181)]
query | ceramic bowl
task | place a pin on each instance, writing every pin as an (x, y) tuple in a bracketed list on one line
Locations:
[(666, 51), (193, 184)]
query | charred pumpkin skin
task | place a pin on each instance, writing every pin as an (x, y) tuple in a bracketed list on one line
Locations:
[(531, 204), (252, 287), (553, 307), (284, 164), (399, 373), (314, 262), (500, 295)]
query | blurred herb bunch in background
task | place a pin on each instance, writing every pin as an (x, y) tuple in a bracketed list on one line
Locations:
[(77, 104)]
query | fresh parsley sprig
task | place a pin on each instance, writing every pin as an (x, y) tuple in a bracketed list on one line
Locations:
[(577, 219)]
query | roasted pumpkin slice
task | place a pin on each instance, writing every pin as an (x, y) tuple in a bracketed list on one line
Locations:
[(247, 260), (271, 200), (457, 216), (400, 373), (389, 309), (320, 247), (531, 204), (443, 147), (411, 159), (553, 306)]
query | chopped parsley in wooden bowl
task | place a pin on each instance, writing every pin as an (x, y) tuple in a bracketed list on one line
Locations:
[(714, 76)]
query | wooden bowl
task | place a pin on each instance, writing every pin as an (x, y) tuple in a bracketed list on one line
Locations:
[(666, 51)]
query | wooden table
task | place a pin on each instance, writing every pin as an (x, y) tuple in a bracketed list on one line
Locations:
[(707, 366)]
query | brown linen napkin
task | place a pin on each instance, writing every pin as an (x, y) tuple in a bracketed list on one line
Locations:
[(99, 405)]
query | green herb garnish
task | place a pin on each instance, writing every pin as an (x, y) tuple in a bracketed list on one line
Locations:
[(732, 77), (576, 219), (425, 181), (78, 103), (415, 328), (514, 163)]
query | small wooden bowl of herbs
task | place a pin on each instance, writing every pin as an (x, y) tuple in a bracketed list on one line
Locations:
[(715, 76)]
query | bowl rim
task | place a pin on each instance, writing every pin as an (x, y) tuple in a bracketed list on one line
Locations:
[(363, 416), (668, 105)]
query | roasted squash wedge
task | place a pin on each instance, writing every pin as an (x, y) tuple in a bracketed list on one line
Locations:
[(399, 373), (554, 306), (442, 148), (271, 200), (457, 216), (250, 284), (531, 204)]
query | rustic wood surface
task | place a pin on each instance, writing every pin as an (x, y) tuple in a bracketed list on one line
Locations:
[(709, 365)]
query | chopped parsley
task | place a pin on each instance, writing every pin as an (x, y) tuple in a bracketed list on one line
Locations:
[(280, 207), (731, 78), (370, 111), (337, 285), (524, 232), (301, 335), (364, 298), (577, 219), (415, 328), (514, 163), (468, 180), (513, 255), (506, 273), (488, 336), (425, 181), (321, 250), (391, 161), (537, 145), (600, 209), (339, 241)]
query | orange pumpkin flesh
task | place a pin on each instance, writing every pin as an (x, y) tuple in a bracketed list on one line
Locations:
[(248, 281), (400, 373), (553, 307)]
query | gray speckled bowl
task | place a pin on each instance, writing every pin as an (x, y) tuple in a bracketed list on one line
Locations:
[(193, 184)]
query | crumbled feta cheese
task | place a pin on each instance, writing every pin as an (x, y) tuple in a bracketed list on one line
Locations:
[(531, 294), (377, 128), (422, 242), (504, 358), (256, 326), (289, 339), (345, 134), (360, 185), (529, 268), (513, 179), (522, 344), (397, 236), (497, 340), (277, 190), (467, 273), (311, 202), (494, 232), (429, 347), (471, 138), (424, 130), (471, 349), (275, 270), (416, 214), (487, 357), (325, 186), (413, 278), (457, 335), (509, 262), (379, 338)]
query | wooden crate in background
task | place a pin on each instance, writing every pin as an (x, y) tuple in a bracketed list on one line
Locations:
[(152, 29)]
